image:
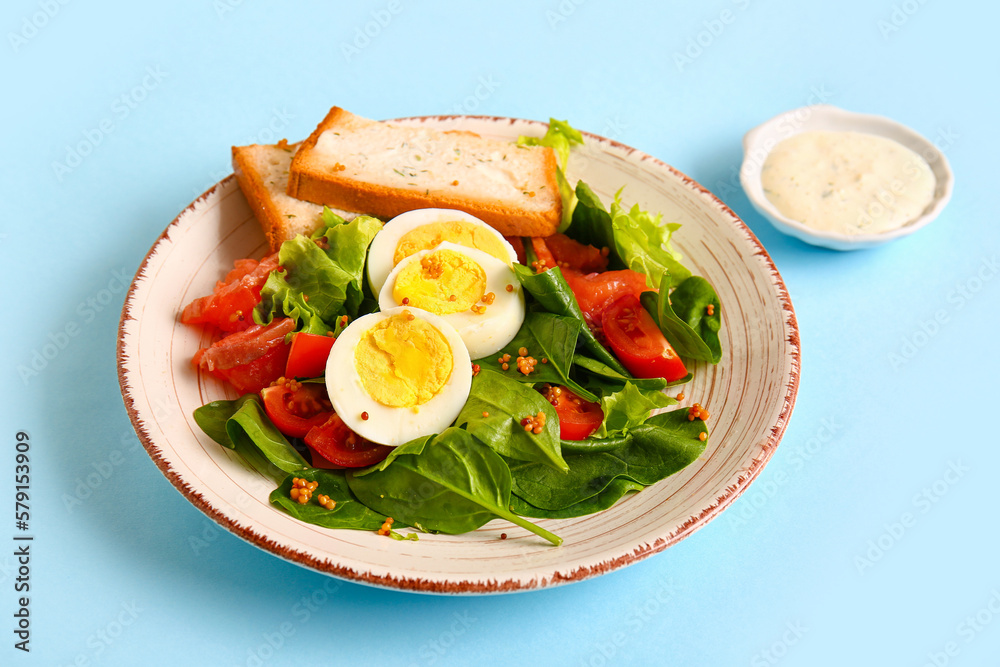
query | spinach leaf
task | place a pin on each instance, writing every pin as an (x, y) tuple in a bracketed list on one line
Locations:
[(683, 317), (657, 449), (493, 415), (611, 494), (592, 225), (550, 290), (544, 336), (595, 445), (348, 512), (602, 379), (453, 485), (243, 426), (332, 279)]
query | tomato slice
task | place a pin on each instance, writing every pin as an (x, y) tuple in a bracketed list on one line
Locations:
[(638, 342), (307, 358), (578, 418), (230, 306), (341, 446), (518, 245), (319, 461), (545, 259), (571, 254), (251, 359), (295, 408), (596, 291)]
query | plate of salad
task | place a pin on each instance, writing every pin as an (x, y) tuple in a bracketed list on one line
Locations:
[(575, 450)]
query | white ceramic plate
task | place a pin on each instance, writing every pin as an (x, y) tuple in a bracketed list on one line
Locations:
[(750, 394), (758, 143)]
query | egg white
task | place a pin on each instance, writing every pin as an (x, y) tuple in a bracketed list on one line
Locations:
[(482, 334), (387, 425), (383, 247)]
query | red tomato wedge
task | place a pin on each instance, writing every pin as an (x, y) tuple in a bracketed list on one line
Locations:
[(638, 343), (251, 359), (230, 306), (570, 254), (578, 418), (295, 408), (546, 260), (318, 461), (339, 445), (307, 358), (596, 291), (518, 245)]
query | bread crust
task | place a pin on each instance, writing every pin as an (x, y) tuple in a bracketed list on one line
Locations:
[(308, 182), (275, 225)]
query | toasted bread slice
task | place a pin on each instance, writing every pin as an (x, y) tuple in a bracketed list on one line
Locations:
[(262, 172), (385, 169)]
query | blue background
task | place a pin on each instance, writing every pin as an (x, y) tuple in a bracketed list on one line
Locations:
[(871, 536)]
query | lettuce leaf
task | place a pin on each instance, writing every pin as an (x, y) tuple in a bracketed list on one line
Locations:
[(638, 240), (320, 285), (642, 242), (628, 408)]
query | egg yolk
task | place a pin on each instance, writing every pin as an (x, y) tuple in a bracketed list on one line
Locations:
[(442, 282), (460, 232), (403, 361)]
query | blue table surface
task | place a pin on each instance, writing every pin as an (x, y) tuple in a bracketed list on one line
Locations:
[(869, 539)]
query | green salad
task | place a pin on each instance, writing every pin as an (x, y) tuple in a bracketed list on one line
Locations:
[(563, 421)]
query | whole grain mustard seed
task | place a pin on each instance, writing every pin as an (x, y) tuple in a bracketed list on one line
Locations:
[(534, 423), (696, 411), (386, 526), (526, 364), (302, 490)]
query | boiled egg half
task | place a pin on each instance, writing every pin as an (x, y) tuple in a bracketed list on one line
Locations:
[(473, 291), (426, 228), (398, 374)]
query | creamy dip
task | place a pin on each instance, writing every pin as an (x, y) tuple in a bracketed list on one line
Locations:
[(847, 182)]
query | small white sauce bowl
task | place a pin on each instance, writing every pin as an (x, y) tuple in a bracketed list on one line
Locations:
[(758, 143)]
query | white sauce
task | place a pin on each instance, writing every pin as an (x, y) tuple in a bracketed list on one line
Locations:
[(847, 182)]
